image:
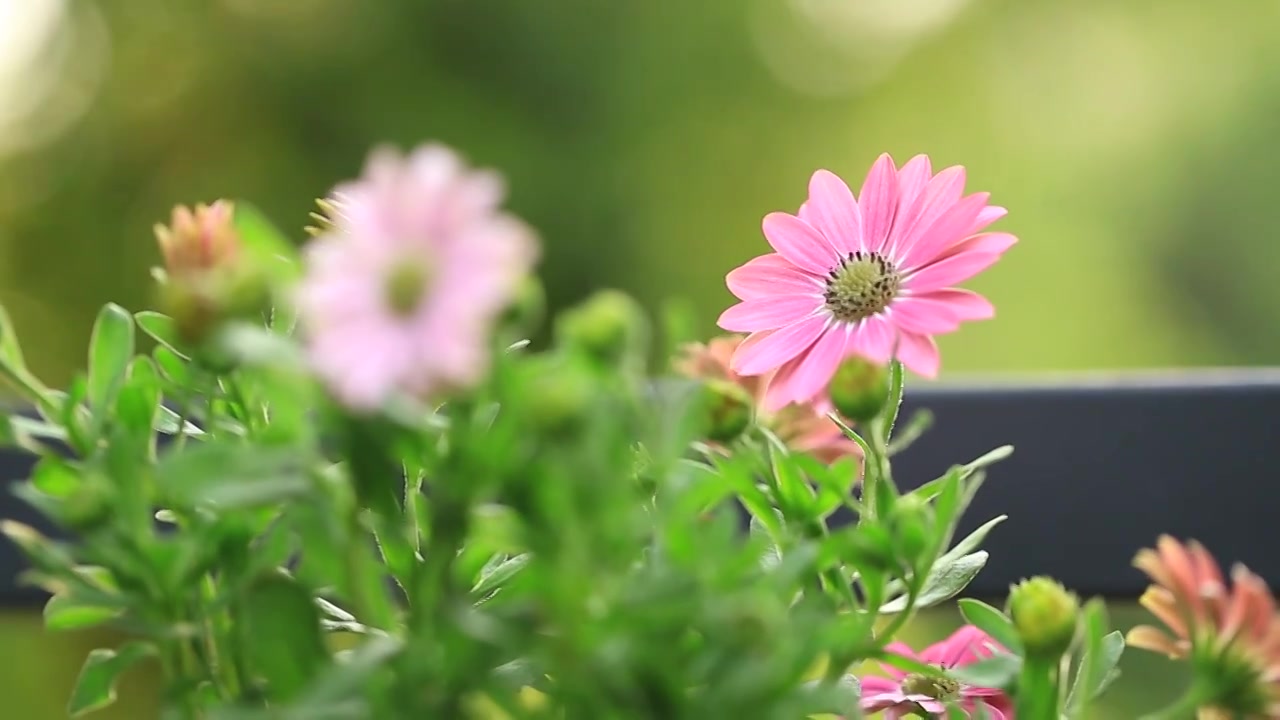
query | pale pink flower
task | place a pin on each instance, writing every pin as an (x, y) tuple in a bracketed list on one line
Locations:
[(902, 695), (866, 276), (803, 427), (404, 284)]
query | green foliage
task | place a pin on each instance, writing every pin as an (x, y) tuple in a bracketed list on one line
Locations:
[(565, 540)]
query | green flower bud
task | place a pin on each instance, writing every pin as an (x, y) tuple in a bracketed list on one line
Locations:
[(728, 411), (558, 395), (869, 546), (90, 505), (608, 326), (859, 389), (1045, 615), (529, 308), (911, 527)]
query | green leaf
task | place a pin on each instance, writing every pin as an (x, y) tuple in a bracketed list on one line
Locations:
[(265, 244), (96, 686), (172, 365), (64, 612), (162, 329), (231, 475), (280, 632), (987, 460), (13, 368), (997, 671), (992, 622), (167, 422), (973, 539), (56, 477), (943, 582), (492, 579), (111, 346), (889, 415), (139, 398), (349, 676), (1097, 668), (916, 427)]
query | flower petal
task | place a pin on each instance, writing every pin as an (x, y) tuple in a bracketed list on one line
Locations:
[(912, 181), (833, 211), (769, 275), (935, 199), (939, 311), (808, 375), (926, 242), (768, 313), (798, 242), (919, 353), (989, 215), (996, 242), (878, 202), (873, 339), (781, 345), (949, 271)]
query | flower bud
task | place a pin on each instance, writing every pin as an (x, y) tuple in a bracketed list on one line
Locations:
[(728, 410), (859, 389), (911, 527), (608, 326), (558, 395), (1045, 615), (529, 308), (200, 240), (206, 281)]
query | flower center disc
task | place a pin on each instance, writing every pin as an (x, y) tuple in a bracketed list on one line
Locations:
[(862, 285), (405, 287), (938, 688)]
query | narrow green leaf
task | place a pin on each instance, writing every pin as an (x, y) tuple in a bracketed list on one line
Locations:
[(916, 426), (96, 686), (162, 329), (997, 671), (991, 621), (943, 582), (111, 346), (973, 539), (172, 365), (1098, 659), (64, 612), (13, 368), (492, 579), (889, 415), (988, 460), (139, 398)]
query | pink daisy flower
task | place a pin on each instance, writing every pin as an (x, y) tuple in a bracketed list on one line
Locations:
[(869, 276), (405, 281), (805, 428), (902, 695)]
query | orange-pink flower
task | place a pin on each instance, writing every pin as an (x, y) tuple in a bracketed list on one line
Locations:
[(804, 427), (1230, 632)]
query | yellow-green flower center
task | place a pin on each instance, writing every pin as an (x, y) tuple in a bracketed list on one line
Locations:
[(862, 285), (405, 287), (938, 688)]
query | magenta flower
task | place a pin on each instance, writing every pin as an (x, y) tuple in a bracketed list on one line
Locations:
[(900, 695), (404, 284), (869, 276)]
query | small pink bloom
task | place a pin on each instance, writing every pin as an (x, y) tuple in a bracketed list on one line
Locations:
[(870, 276), (803, 427), (403, 287), (900, 694)]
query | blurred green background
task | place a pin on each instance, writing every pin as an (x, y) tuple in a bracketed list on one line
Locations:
[(1133, 141)]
